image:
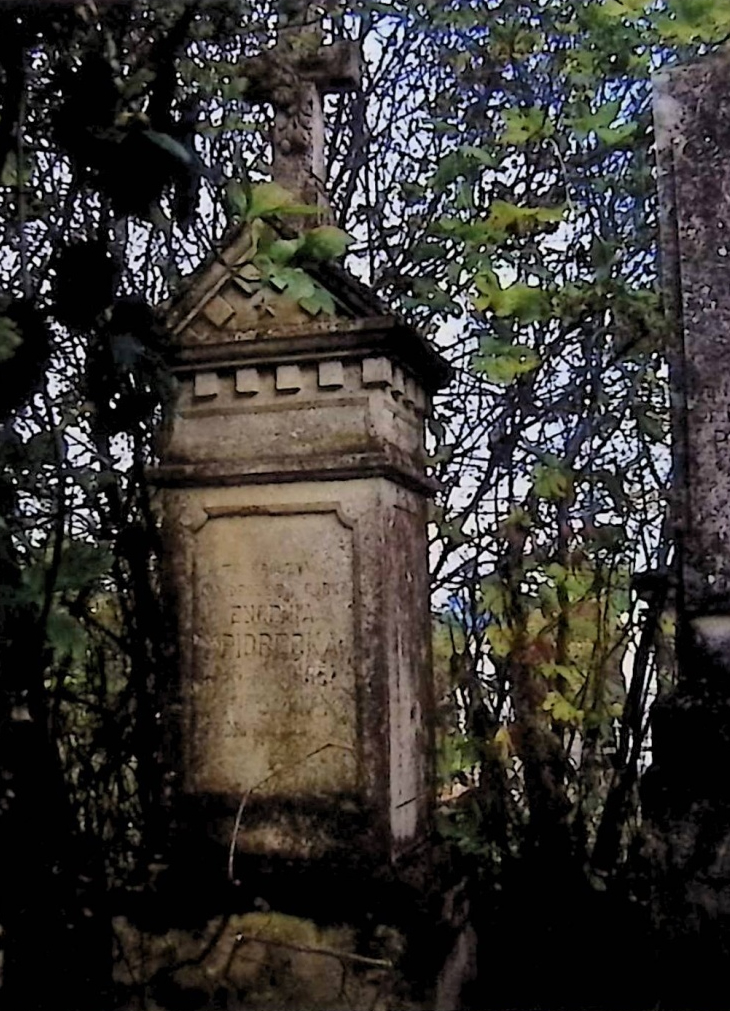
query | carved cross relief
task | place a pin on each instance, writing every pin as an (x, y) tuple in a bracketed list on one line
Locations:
[(292, 77)]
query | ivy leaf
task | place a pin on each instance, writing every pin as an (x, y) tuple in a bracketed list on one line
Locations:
[(237, 198), (479, 154), (271, 198), (10, 338), (320, 301), (601, 123), (281, 251), (293, 280), (325, 242), (613, 136)]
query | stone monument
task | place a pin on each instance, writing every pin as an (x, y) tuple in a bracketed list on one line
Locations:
[(294, 500), (687, 792)]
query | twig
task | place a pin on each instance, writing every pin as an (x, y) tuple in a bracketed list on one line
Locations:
[(248, 793), (341, 956)]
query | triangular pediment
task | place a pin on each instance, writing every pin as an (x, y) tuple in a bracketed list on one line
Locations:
[(230, 308), (231, 299)]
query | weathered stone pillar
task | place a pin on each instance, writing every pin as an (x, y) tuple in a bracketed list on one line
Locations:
[(294, 511), (294, 504), (687, 791)]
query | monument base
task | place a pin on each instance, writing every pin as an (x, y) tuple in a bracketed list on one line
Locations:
[(377, 942)]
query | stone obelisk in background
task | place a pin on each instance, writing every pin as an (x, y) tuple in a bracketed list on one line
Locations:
[(687, 791), (294, 504)]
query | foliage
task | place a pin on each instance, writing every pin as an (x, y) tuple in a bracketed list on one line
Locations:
[(496, 173), (521, 230)]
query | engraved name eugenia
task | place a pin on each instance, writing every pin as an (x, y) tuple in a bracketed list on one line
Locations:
[(289, 629)]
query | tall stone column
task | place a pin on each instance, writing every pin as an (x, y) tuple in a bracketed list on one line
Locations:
[(295, 517), (687, 791)]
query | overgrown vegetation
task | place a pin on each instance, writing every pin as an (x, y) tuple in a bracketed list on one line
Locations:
[(496, 173)]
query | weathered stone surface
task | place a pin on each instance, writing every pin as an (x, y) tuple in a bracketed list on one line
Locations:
[(272, 961), (295, 510), (686, 792), (304, 659), (692, 116), (292, 76), (258, 961)]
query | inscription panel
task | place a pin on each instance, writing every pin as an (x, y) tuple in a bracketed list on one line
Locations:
[(273, 706)]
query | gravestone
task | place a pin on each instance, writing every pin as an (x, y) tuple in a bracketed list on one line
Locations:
[(686, 794), (294, 508), (294, 501), (295, 515)]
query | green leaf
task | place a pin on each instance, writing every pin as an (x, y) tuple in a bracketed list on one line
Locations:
[(494, 596), (502, 361), (524, 302), (479, 154), (171, 146), (561, 710), (694, 21), (237, 198), (523, 125), (629, 9), (10, 338), (281, 251), (325, 242), (500, 640), (505, 217), (613, 136), (320, 301), (293, 280), (601, 123), (271, 198), (554, 482)]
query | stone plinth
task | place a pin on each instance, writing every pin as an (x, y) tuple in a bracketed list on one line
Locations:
[(272, 961), (294, 503)]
